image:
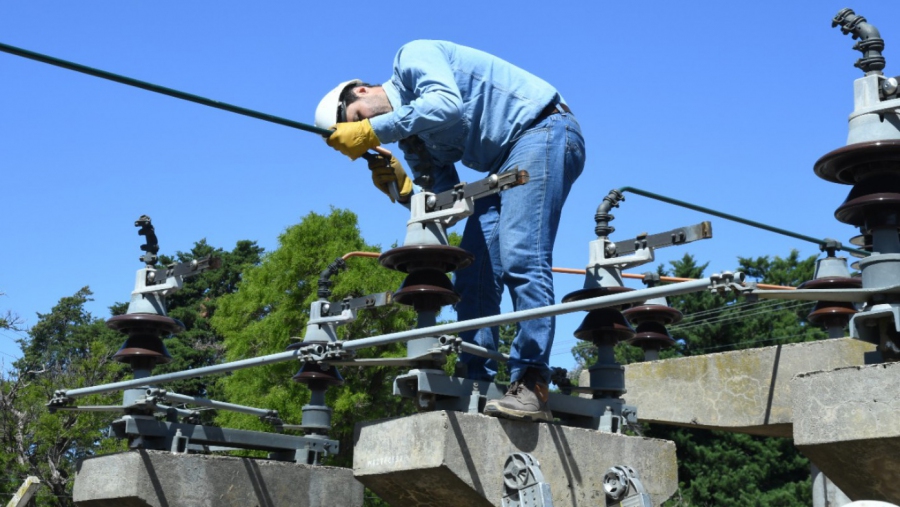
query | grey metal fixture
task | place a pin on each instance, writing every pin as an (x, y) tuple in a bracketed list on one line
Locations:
[(623, 488), (523, 482)]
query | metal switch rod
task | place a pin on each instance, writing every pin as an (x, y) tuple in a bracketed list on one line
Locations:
[(534, 313), (734, 218), (475, 350), (181, 375), (205, 402)]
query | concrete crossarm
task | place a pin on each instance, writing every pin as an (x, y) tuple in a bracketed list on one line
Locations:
[(449, 459), (164, 479), (744, 391), (845, 421), (25, 492)]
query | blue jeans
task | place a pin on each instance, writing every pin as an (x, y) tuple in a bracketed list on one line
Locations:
[(511, 235)]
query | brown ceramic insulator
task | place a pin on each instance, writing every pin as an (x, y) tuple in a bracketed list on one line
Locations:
[(426, 291), (651, 336), (322, 374), (594, 292), (144, 336), (832, 282), (605, 326), (146, 322), (863, 241), (408, 259), (853, 163), (666, 315), (143, 346), (831, 314), (872, 203)]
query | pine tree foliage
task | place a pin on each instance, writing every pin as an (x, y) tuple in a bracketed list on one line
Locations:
[(714, 323), (719, 468), (195, 304), (270, 312)]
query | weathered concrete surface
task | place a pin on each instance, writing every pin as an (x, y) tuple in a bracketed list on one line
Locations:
[(162, 479), (846, 422), (454, 459), (744, 391)]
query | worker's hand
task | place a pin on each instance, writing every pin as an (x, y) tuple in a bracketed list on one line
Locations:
[(387, 170), (353, 138)]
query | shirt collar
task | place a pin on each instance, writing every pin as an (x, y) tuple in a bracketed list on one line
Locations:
[(393, 95)]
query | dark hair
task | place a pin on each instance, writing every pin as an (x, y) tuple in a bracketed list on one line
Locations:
[(348, 96)]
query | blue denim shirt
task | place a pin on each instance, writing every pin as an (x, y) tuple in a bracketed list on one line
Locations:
[(464, 104)]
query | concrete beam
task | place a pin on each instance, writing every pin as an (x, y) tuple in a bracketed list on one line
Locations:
[(846, 422), (162, 479), (439, 459), (25, 492), (744, 391)]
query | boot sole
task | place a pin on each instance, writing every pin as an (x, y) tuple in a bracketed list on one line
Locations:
[(519, 415)]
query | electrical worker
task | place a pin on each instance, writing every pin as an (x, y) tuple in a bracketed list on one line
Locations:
[(447, 103)]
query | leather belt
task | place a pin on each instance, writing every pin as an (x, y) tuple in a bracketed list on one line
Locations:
[(550, 110)]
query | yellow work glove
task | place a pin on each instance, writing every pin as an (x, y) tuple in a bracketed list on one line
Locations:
[(387, 170), (353, 138)]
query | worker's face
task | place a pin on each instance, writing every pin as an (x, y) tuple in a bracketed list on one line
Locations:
[(372, 102)]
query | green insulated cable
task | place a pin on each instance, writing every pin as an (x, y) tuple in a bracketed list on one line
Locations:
[(161, 89)]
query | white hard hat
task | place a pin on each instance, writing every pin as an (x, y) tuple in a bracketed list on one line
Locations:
[(330, 109)]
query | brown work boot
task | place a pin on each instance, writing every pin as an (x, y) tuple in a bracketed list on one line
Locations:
[(525, 400)]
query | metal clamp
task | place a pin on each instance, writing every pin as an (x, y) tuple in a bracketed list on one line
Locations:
[(59, 400), (728, 282), (323, 352)]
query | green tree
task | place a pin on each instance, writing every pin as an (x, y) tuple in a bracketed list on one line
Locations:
[(270, 311), (67, 348), (195, 304)]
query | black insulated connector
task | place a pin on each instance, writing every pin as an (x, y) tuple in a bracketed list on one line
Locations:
[(152, 245), (603, 217), (325, 278), (870, 42)]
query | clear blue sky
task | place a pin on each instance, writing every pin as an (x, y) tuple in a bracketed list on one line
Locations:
[(724, 104)]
